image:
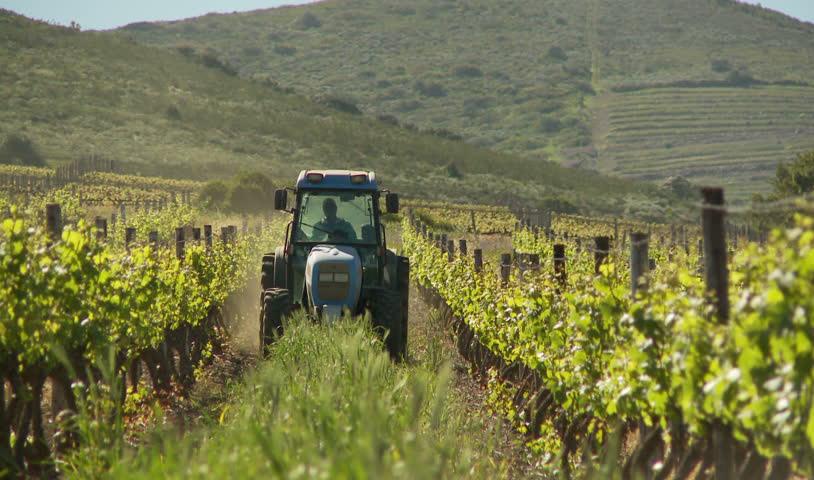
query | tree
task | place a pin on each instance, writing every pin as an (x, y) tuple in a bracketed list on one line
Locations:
[(19, 150), (795, 178), (214, 194), (251, 193)]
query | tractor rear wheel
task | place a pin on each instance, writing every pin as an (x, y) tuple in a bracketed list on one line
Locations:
[(275, 308), (386, 309)]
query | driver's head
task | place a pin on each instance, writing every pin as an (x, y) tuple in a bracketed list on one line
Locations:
[(329, 208)]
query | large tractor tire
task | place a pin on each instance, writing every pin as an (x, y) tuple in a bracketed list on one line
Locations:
[(388, 316), (276, 308), (273, 273), (404, 291)]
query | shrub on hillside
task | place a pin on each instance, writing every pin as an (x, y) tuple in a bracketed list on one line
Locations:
[(550, 124), (475, 104), (210, 59), (433, 90), (453, 171), (308, 21), (443, 133), (388, 119), (557, 53), (720, 66), (467, 71), (186, 50), (285, 50), (20, 150), (406, 106), (252, 51), (740, 78), (339, 103), (173, 113)]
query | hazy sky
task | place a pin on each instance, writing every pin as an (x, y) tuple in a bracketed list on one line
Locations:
[(102, 14)]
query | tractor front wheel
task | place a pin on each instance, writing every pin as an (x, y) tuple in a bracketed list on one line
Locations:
[(386, 309), (275, 308)]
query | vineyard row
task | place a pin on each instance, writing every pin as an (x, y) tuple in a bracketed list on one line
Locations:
[(73, 297), (710, 358)]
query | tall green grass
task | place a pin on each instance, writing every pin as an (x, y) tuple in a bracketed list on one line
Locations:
[(327, 404)]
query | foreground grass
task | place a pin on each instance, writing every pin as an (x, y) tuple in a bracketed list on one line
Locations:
[(328, 404)]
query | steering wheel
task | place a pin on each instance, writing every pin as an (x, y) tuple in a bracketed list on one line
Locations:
[(338, 236)]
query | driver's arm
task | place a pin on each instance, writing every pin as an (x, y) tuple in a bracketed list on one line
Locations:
[(349, 231), (319, 232)]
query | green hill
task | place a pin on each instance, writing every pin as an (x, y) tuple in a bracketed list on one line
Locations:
[(161, 112), (546, 77)]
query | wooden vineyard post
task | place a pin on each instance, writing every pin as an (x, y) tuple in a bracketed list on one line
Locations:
[(224, 235), (129, 237), (232, 233), (152, 239), (444, 242), (179, 243), (208, 237), (715, 267), (717, 283), (53, 221), (478, 256), (474, 225), (101, 228), (534, 262), (505, 268), (602, 247), (196, 235), (638, 261), (450, 251), (559, 265), (113, 220), (463, 248), (53, 225)]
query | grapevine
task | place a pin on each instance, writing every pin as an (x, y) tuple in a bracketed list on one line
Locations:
[(660, 358)]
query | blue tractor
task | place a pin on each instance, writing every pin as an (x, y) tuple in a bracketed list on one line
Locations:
[(335, 261)]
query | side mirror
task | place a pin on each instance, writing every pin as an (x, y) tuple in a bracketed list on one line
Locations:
[(392, 202), (280, 199)]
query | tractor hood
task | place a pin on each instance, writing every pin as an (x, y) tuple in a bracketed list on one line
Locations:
[(333, 278)]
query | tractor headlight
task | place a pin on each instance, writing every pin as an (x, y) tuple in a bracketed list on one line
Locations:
[(330, 277)]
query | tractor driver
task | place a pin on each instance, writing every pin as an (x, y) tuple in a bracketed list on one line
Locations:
[(333, 227)]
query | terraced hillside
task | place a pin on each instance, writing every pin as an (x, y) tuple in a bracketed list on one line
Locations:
[(725, 136), (523, 76), (179, 114)]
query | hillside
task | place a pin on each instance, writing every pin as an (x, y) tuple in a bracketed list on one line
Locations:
[(165, 113), (547, 78)]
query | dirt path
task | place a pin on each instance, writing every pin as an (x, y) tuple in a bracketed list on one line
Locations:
[(428, 339)]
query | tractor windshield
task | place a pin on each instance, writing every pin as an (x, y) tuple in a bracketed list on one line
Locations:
[(336, 217)]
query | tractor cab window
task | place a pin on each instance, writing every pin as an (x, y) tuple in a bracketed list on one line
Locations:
[(336, 217)]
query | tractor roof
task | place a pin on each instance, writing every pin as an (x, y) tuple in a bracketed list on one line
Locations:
[(336, 180)]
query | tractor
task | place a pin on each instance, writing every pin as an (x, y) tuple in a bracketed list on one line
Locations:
[(335, 262)]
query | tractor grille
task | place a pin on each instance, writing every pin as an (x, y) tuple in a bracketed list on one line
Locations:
[(333, 282)]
